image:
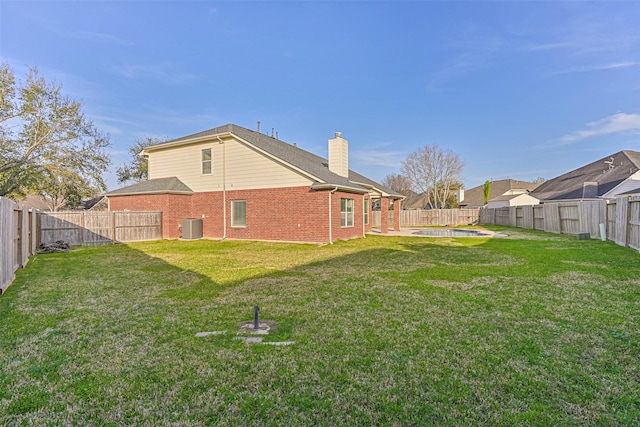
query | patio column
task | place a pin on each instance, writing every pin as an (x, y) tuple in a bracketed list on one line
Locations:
[(396, 215), (384, 215)]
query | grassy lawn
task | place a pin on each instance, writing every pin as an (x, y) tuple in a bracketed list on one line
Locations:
[(534, 329)]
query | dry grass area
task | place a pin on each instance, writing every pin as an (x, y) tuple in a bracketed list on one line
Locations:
[(534, 329)]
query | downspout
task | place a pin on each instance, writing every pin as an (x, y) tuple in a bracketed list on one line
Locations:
[(330, 222), (224, 188), (364, 226)]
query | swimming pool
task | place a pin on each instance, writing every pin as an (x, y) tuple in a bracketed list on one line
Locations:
[(453, 232)]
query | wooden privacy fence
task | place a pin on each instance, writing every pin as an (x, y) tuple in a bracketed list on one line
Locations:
[(18, 239), (99, 228), (621, 218), (433, 217)]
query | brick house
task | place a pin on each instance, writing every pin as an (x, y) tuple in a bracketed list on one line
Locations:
[(247, 185)]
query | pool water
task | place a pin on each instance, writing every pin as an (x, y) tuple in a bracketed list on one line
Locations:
[(452, 232)]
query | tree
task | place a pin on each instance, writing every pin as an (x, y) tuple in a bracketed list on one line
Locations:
[(398, 183), (138, 167), (47, 145), (539, 180), (486, 191), (433, 171)]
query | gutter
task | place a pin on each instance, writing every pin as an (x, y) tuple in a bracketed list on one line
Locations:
[(334, 187), (224, 187), (330, 219)]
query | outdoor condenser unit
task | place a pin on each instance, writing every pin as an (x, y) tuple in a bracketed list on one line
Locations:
[(191, 228)]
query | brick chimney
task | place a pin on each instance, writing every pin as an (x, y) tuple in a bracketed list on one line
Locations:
[(339, 155)]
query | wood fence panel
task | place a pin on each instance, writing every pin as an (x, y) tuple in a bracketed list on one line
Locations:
[(66, 226), (622, 220), (527, 217), (503, 216), (25, 245), (519, 217), (611, 220), (569, 216), (538, 217), (98, 228), (17, 229), (513, 220), (137, 226), (551, 215), (488, 216), (7, 235), (634, 222), (431, 217), (17, 221)]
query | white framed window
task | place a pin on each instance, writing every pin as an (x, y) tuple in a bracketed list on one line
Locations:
[(346, 212), (366, 211), (206, 161), (238, 213)]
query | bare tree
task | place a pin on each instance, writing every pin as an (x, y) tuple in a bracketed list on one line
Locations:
[(398, 183), (539, 180), (433, 171)]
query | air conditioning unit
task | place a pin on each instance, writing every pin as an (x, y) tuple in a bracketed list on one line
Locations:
[(191, 228)]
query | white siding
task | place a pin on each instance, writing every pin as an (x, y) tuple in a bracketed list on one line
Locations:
[(245, 167), (628, 184), (519, 200)]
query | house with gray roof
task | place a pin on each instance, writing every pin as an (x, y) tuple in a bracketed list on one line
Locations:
[(606, 178), (504, 192), (243, 184)]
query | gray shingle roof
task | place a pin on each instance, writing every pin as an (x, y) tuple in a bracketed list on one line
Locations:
[(301, 159), (571, 184), (171, 185)]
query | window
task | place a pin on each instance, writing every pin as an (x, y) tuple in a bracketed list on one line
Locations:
[(346, 212), (206, 161), (238, 213), (366, 212)]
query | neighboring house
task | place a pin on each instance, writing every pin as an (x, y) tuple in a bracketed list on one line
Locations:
[(603, 179), (247, 185), (512, 200), (474, 197), (414, 200), (100, 203), (36, 202)]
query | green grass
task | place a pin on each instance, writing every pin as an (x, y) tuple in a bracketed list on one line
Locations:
[(534, 329)]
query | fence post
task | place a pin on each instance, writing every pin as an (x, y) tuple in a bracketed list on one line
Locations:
[(622, 220), (34, 231), (24, 243), (113, 227)]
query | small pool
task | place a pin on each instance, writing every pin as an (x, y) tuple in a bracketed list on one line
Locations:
[(453, 232)]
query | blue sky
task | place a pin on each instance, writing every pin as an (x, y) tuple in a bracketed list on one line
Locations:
[(519, 89)]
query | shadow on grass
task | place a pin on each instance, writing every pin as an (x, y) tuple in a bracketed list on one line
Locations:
[(406, 330)]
